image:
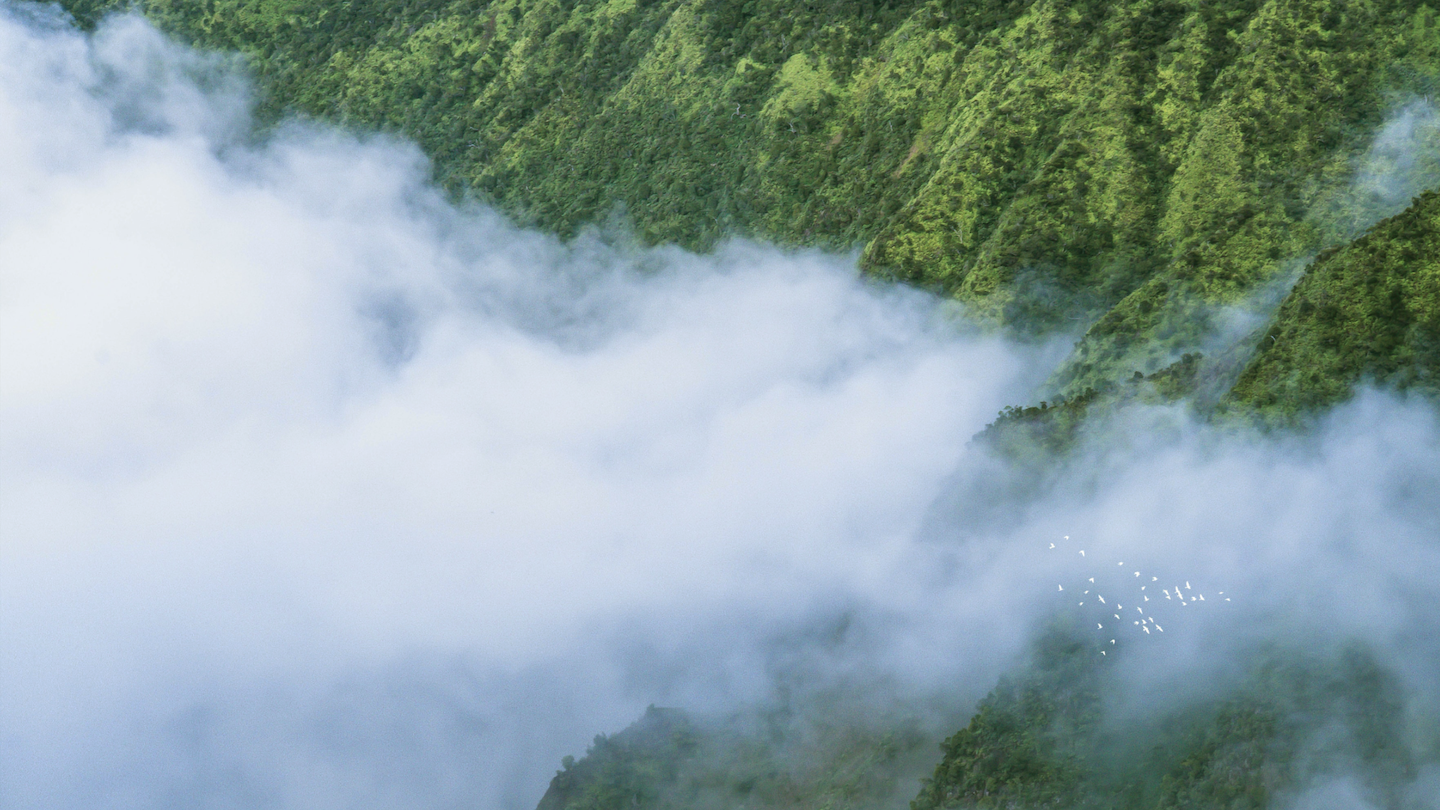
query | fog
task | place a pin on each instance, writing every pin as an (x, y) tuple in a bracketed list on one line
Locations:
[(1401, 162), (319, 490)]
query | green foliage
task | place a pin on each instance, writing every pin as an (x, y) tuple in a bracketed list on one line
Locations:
[(628, 769), (1019, 750), (1135, 166), (1369, 310), (1040, 159), (669, 760), (1050, 734), (1045, 738), (1040, 435), (1043, 432)]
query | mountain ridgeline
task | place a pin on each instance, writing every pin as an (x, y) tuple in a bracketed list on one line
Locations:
[(1130, 170), (1232, 203)]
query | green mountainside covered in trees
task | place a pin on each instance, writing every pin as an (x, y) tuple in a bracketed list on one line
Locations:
[(1131, 170), (1230, 203), (1368, 309), (1055, 734)]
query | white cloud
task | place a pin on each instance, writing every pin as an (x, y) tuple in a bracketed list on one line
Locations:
[(271, 413), (316, 490)]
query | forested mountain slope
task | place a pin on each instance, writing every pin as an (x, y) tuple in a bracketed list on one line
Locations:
[(1367, 310), (1362, 312), (1132, 167), (1054, 733), (1043, 738)]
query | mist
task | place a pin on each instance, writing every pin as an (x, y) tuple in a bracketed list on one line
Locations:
[(318, 489)]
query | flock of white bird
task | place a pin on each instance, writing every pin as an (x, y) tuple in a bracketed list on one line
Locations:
[(1144, 618)]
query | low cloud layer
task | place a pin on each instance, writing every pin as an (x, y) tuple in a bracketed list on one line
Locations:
[(317, 490), (276, 415)]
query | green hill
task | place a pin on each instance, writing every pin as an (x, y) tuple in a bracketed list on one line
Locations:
[(1367, 310), (1131, 169), (670, 760), (1055, 733), (1051, 738)]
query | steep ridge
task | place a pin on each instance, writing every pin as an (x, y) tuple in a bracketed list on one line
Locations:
[(1049, 735), (1369, 310), (1044, 739), (1042, 161), (670, 759)]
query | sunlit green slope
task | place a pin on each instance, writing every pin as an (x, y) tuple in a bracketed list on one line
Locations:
[(1043, 161)]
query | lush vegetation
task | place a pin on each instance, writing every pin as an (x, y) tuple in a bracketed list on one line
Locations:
[(1368, 310), (1152, 175), (669, 760), (1055, 737), (1054, 734), (1126, 166), (1040, 434)]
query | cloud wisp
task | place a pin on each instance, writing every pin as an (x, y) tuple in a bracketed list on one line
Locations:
[(317, 490)]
